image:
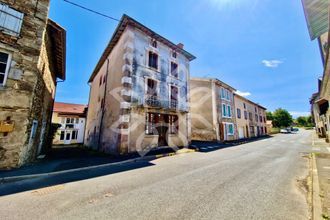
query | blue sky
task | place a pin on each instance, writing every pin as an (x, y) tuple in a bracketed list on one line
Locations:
[(261, 47)]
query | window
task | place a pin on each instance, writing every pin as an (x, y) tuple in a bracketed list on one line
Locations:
[(100, 81), (225, 94), (255, 108), (62, 135), (245, 115), (244, 105), (224, 110), (10, 20), (68, 136), (174, 55), (229, 111), (256, 116), (74, 134), (4, 67), (230, 128), (77, 120), (174, 96), (174, 69), (151, 121), (250, 116), (238, 113), (264, 119), (260, 118), (154, 43), (173, 124), (151, 87), (153, 60)]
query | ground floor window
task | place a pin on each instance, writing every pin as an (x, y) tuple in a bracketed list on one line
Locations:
[(173, 124), (229, 128), (154, 120), (62, 135), (74, 135)]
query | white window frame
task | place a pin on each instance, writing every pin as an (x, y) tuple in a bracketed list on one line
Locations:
[(227, 129), (170, 93), (170, 68), (7, 68), (146, 85)]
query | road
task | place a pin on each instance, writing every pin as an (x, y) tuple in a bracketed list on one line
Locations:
[(257, 180)]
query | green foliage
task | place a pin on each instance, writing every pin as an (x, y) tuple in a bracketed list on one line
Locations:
[(53, 129), (282, 118), (305, 121), (269, 116)]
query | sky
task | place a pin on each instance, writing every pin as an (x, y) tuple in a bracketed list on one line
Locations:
[(260, 47)]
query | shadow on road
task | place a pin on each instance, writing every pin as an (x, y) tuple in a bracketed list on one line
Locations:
[(40, 182)]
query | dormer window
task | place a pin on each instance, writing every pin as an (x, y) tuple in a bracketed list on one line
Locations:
[(154, 43)]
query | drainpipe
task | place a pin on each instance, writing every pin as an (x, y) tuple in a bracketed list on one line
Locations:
[(104, 98)]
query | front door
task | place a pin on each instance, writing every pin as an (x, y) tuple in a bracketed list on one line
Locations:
[(162, 130), (67, 139)]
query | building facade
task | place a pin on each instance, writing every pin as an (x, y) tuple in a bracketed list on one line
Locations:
[(212, 110), (32, 57), (72, 118), (139, 93), (250, 118), (318, 20)]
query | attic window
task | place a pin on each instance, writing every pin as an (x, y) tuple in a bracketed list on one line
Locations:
[(10, 20), (174, 54), (154, 43)]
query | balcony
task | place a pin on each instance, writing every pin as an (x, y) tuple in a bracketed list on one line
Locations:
[(153, 101), (173, 104)]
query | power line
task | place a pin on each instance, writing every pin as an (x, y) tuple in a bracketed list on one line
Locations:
[(91, 10)]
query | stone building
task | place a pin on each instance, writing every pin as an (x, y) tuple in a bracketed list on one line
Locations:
[(32, 57), (318, 20), (212, 110), (72, 118), (139, 92)]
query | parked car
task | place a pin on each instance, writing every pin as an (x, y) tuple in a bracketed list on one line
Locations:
[(294, 129), (285, 131)]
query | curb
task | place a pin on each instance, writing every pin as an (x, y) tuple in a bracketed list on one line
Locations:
[(31, 176), (316, 200)]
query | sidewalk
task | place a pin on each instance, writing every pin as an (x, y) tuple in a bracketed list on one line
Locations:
[(75, 159), (321, 151)]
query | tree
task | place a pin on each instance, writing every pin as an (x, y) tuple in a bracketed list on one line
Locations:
[(282, 118), (302, 121), (269, 115)]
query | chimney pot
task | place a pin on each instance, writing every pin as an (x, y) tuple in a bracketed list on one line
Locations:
[(181, 45)]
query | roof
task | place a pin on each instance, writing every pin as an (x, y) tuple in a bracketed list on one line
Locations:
[(248, 100), (57, 36), (69, 108), (213, 80), (128, 21), (316, 13)]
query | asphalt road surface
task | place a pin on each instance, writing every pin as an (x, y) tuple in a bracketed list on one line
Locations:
[(257, 180)]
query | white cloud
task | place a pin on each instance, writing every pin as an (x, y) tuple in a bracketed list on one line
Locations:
[(297, 114), (272, 63), (244, 94)]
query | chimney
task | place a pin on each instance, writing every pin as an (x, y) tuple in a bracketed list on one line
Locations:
[(180, 45)]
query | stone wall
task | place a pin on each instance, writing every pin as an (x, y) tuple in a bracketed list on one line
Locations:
[(28, 92)]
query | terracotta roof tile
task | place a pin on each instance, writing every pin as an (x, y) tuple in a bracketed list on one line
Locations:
[(69, 108)]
